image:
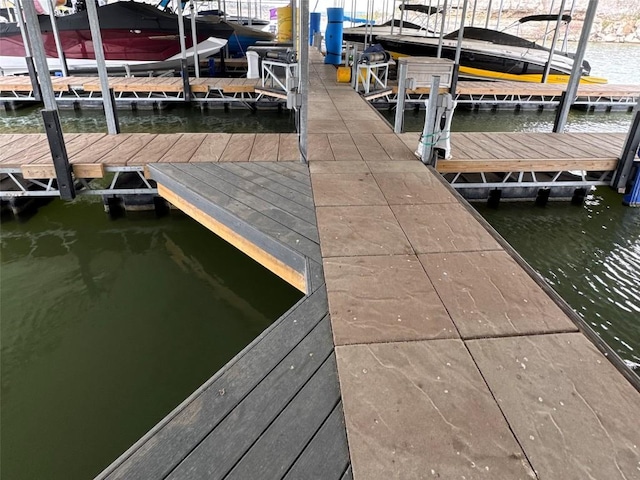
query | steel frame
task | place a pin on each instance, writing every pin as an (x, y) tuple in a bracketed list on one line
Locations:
[(47, 188), (563, 178), (516, 99)]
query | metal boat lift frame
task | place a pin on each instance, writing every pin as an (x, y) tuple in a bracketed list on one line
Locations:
[(46, 187)]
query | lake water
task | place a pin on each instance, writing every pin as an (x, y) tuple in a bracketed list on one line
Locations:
[(108, 325)]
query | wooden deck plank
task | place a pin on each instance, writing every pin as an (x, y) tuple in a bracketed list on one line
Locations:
[(259, 236), (528, 165), (348, 475), (121, 153), (278, 208), (217, 454), (300, 175), (329, 443), (211, 149), (99, 149), (470, 147), (239, 147), (265, 147), (298, 182), (533, 142), (81, 143), (293, 429), (189, 425), (283, 188), (41, 153), (184, 148), (155, 149), (565, 144), (288, 148), (20, 146), (509, 147)]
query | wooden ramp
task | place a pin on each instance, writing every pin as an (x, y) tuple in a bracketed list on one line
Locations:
[(274, 411)]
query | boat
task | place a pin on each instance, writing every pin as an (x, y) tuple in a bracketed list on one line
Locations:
[(359, 33), (494, 55), (135, 36)]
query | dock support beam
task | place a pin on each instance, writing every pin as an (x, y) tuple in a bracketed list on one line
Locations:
[(569, 95), (622, 176), (303, 81), (31, 68), (107, 100), (456, 67)]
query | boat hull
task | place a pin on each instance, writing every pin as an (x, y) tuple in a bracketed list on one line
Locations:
[(131, 34)]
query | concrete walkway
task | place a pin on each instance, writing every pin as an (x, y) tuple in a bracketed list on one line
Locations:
[(453, 362)]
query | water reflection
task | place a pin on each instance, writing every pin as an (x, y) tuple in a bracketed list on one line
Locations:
[(108, 325)]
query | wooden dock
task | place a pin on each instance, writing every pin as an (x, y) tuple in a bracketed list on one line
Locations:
[(422, 334), (82, 88)]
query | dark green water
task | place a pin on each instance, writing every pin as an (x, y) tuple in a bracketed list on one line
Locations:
[(108, 325), (589, 254), (173, 119)]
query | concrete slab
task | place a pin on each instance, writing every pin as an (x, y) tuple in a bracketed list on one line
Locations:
[(327, 126), (343, 147), (346, 189), (391, 166), (422, 410), (318, 147), (338, 167), (413, 188), (369, 147), (383, 299), (367, 126), (575, 416), (443, 228), (361, 230), (489, 294)]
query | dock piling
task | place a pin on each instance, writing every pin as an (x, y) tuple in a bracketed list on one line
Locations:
[(622, 177)]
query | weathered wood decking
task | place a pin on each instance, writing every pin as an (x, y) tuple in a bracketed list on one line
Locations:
[(472, 152)]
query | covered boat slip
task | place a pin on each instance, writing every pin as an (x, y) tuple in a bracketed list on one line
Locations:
[(141, 89)]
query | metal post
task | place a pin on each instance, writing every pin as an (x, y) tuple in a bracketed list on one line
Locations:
[(576, 71), (473, 14), (184, 67), (546, 30), (441, 33), (50, 113), (40, 57), (556, 32), (566, 29), (393, 15), (33, 75), (402, 86), (499, 15), (428, 133), (294, 29), (354, 68), (402, 14), (56, 38), (194, 39), (59, 154), (622, 175), (486, 22), (96, 37), (303, 87), (456, 67)]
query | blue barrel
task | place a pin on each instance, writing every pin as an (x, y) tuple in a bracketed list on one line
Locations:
[(314, 25), (333, 36)]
